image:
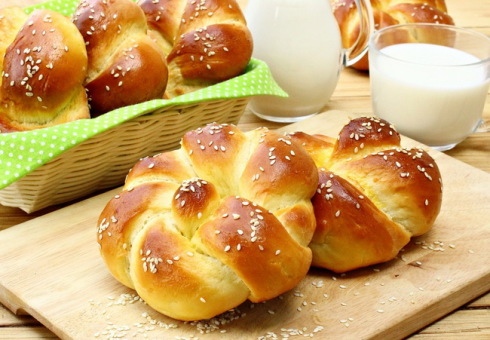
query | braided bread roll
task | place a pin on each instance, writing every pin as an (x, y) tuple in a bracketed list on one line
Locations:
[(125, 66), (43, 72), (225, 218), (207, 41), (387, 13), (373, 195)]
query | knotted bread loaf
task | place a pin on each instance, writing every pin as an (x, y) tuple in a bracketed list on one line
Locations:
[(207, 41), (225, 218), (44, 68), (373, 195), (387, 13), (125, 66)]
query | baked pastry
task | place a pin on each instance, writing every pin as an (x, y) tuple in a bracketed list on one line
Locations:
[(387, 13), (225, 218), (11, 20), (207, 41), (43, 72), (125, 66), (373, 195)]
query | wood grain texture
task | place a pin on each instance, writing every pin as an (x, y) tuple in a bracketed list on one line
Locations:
[(51, 269)]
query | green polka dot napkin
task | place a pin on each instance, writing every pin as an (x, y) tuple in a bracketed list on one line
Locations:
[(23, 152)]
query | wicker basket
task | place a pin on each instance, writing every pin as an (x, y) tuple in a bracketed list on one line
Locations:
[(97, 153), (103, 161)]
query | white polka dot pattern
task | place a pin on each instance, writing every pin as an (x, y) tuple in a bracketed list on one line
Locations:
[(23, 152)]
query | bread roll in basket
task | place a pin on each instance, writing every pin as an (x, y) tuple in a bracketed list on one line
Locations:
[(43, 72), (114, 53)]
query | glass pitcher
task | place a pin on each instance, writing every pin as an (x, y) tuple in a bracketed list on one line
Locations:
[(300, 41)]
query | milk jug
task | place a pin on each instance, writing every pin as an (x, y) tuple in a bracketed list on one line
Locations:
[(300, 42)]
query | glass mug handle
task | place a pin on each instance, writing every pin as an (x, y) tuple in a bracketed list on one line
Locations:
[(366, 27), (484, 126)]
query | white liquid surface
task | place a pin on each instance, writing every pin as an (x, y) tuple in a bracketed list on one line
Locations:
[(436, 105)]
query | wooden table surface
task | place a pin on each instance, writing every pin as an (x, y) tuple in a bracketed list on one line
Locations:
[(471, 321)]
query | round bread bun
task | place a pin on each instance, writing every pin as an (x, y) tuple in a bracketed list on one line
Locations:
[(44, 68), (206, 42), (225, 218), (125, 66), (373, 195)]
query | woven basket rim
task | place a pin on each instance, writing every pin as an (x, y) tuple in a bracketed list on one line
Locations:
[(102, 162)]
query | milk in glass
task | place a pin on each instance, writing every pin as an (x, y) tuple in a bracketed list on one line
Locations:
[(421, 89)]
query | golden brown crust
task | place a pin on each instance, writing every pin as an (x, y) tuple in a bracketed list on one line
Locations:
[(373, 195), (387, 13), (164, 18), (190, 285), (44, 68), (125, 65), (207, 41), (353, 232), (225, 218), (261, 251), (11, 21)]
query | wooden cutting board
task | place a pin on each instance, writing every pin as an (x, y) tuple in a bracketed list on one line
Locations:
[(51, 269)]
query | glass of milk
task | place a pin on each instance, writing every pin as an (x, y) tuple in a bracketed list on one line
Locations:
[(430, 81), (300, 42)]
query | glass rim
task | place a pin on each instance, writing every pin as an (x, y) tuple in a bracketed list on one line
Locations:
[(474, 33)]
